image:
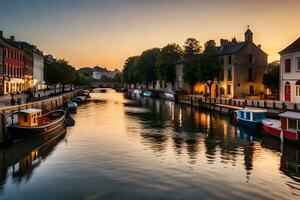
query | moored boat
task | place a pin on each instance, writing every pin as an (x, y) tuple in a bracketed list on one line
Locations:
[(250, 118), (287, 128), (272, 126), (31, 122), (147, 93), (71, 106)]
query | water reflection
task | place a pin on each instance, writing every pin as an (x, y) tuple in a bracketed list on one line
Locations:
[(192, 130), (137, 148), (20, 160)]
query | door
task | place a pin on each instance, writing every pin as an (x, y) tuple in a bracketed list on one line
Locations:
[(217, 91), (287, 92)]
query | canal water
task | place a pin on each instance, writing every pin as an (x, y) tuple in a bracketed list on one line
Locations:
[(127, 147)]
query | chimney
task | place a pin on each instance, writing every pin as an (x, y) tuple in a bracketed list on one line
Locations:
[(1, 34), (259, 46), (224, 42), (12, 38)]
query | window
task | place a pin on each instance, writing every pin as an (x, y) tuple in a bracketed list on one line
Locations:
[(222, 60), (248, 115), (287, 65), (229, 75), (25, 118), (298, 64), (222, 90), (229, 60), (222, 75), (292, 124), (250, 74), (6, 69), (298, 88), (7, 87), (228, 89), (11, 54), (251, 89), (250, 58)]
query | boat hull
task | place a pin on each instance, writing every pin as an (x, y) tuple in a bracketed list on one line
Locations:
[(249, 124), (272, 131), (18, 133), (292, 136)]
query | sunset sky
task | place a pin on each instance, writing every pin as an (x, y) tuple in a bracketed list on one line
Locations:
[(105, 33)]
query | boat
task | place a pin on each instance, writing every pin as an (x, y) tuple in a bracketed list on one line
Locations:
[(147, 93), (71, 106), (287, 128), (79, 99), (250, 118), (31, 122)]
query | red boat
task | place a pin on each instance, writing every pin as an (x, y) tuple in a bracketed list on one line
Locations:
[(287, 128)]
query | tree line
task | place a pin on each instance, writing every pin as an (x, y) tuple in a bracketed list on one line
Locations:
[(61, 72), (200, 64)]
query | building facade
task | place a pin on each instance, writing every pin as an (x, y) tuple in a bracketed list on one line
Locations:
[(104, 74), (13, 67), (38, 69), (290, 73), (243, 66), (28, 63)]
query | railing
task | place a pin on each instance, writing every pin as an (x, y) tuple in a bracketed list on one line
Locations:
[(267, 104)]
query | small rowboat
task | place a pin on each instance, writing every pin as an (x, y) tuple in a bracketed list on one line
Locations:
[(31, 122)]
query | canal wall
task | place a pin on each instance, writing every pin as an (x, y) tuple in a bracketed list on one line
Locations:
[(225, 106), (46, 105)]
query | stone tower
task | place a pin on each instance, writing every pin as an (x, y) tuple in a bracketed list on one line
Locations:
[(248, 35)]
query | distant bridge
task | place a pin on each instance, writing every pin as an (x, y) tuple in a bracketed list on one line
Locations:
[(104, 84)]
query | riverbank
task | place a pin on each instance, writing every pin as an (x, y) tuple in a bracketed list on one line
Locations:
[(225, 106), (48, 104)]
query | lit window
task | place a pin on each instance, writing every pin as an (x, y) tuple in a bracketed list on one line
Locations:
[(297, 88), (228, 89)]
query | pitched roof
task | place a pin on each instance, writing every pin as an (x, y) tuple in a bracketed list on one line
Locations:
[(30, 111), (295, 46), (230, 48), (289, 114)]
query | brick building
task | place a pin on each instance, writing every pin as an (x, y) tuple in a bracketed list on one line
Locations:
[(12, 67)]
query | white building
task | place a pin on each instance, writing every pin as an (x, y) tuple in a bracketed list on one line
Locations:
[(38, 70), (100, 73), (290, 73)]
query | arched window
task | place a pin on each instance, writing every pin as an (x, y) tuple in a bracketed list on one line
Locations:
[(251, 89)]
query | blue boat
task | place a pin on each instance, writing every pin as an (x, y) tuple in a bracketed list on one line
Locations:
[(250, 118)]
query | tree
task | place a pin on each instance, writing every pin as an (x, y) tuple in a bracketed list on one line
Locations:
[(67, 73), (131, 70), (209, 68), (192, 50), (166, 62), (147, 64), (83, 79), (117, 78), (50, 73), (271, 78)]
